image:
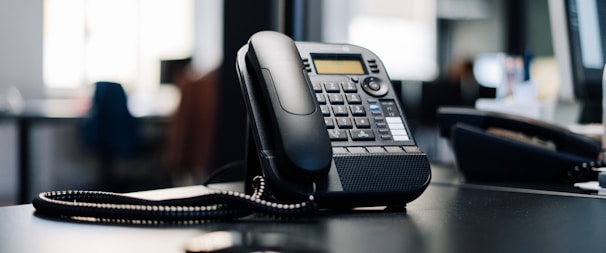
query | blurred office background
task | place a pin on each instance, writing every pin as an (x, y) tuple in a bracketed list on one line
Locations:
[(52, 53)]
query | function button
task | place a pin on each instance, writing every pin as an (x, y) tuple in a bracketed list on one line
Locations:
[(339, 110), (353, 98), (331, 87), (344, 122), (336, 98), (354, 79), (339, 150), (401, 137), (375, 149), (362, 122), (398, 131), (386, 137), (383, 131), (349, 87), (337, 135), (357, 150), (379, 119), (374, 67), (375, 109), (394, 149), (317, 87), (412, 149), (330, 123), (395, 123), (362, 135), (306, 64), (321, 98), (357, 110)]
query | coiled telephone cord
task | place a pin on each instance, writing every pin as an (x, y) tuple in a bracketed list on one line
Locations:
[(112, 207)]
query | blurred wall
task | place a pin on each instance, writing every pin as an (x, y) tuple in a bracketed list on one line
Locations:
[(21, 46)]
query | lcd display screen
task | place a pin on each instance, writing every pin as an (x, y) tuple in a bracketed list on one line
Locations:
[(339, 64)]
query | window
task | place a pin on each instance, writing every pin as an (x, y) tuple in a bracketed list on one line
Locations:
[(401, 32), (114, 40)]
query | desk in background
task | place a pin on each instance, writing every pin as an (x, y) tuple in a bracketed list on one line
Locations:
[(54, 111), (451, 216)]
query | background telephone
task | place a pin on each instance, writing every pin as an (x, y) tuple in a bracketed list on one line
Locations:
[(504, 147), (324, 120)]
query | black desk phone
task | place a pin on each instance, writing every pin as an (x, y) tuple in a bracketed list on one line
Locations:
[(326, 131), (325, 120), (492, 146)]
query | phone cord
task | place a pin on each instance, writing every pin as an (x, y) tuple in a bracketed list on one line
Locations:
[(113, 207)]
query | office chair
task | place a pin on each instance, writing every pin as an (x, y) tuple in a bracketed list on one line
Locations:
[(109, 129)]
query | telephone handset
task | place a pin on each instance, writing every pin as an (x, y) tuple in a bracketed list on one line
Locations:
[(504, 147), (326, 131), (355, 143), (303, 153)]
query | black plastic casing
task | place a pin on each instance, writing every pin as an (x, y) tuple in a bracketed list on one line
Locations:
[(354, 179)]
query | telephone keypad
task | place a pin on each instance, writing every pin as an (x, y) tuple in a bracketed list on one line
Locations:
[(321, 98), (317, 87), (340, 110), (357, 110), (353, 98), (336, 99), (337, 135), (325, 110), (344, 122), (355, 117), (329, 122), (362, 122), (349, 87), (331, 87)]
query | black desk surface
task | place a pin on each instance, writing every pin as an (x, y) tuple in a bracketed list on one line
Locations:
[(449, 217)]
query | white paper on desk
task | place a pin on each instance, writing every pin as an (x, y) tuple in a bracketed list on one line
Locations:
[(591, 186)]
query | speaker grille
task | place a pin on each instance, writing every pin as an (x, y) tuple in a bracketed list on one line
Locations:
[(383, 173)]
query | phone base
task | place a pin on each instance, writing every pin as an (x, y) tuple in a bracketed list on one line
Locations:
[(391, 180)]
